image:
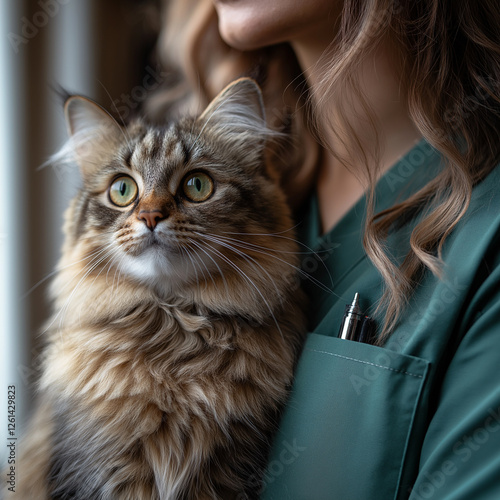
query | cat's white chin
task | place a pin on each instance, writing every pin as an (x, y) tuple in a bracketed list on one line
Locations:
[(151, 266)]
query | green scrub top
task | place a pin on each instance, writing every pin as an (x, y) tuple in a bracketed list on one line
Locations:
[(418, 418)]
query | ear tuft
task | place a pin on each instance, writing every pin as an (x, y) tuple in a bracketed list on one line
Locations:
[(84, 116), (237, 111), (93, 132)]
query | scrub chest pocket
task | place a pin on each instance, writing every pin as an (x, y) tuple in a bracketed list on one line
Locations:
[(346, 428)]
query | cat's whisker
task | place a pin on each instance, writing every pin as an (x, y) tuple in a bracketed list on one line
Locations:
[(112, 261), (92, 236), (119, 271), (95, 255), (278, 233), (243, 274), (108, 264), (308, 250), (195, 243), (247, 258), (57, 270), (188, 254), (203, 267), (107, 274), (87, 269), (253, 245), (98, 259), (62, 312), (300, 271), (192, 259)]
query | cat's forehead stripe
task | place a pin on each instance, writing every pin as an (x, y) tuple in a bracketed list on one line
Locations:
[(149, 145), (127, 157), (157, 145), (146, 149), (156, 157), (172, 149), (186, 151)]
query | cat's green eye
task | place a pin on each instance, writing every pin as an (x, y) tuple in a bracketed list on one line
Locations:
[(123, 191), (198, 187)]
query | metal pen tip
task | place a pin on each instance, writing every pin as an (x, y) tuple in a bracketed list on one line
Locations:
[(355, 304)]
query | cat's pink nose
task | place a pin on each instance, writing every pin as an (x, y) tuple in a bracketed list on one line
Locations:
[(151, 218)]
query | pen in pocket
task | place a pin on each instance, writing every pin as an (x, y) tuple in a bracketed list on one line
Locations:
[(355, 325)]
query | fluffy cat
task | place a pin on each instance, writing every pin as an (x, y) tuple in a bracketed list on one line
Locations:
[(176, 320)]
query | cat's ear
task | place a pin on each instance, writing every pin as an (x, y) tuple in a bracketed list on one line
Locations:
[(238, 114), (94, 133)]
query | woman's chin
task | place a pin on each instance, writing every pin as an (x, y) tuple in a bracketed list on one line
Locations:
[(241, 26)]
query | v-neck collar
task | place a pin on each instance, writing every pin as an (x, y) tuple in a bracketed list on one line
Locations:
[(333, 256)]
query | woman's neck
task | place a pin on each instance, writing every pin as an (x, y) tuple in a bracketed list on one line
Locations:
[(338, 187)]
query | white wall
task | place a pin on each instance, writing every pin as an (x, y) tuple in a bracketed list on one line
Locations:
[(12, 220), (67, 26)]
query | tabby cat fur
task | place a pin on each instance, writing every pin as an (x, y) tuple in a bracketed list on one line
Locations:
[(177, 320)]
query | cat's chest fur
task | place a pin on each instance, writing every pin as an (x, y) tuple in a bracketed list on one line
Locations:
[(159, 385)]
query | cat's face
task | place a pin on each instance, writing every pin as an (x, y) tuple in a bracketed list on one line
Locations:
[(187, 203)]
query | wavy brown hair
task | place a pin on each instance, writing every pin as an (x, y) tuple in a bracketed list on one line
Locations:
[(448, 57)]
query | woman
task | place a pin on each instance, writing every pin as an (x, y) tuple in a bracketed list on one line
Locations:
[(399, 196)]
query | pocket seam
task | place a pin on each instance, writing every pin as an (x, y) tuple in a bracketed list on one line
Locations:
[(365, 362)]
